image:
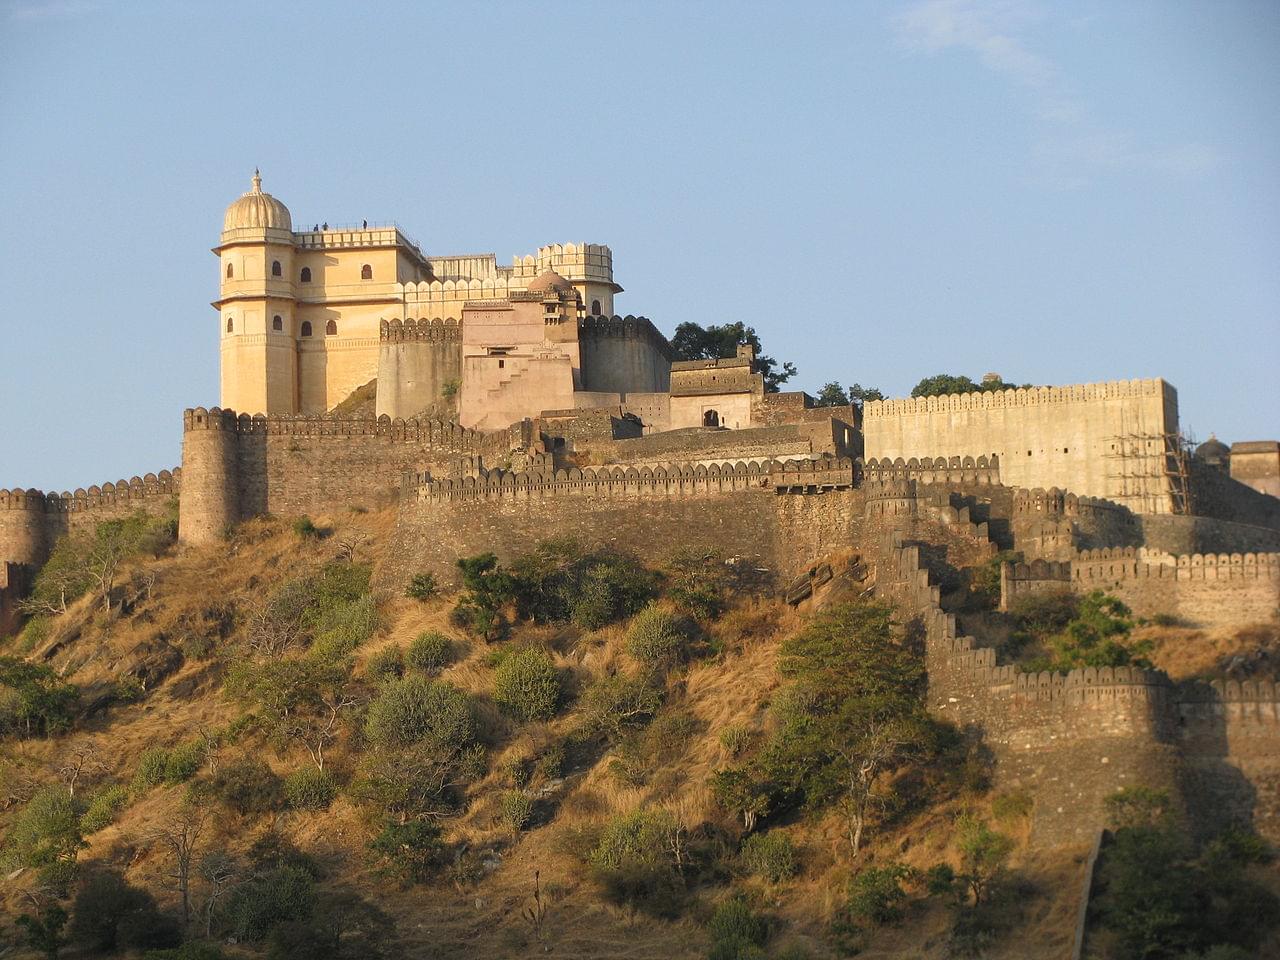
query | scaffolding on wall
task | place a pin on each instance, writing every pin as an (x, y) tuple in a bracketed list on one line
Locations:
[(1150, 472)]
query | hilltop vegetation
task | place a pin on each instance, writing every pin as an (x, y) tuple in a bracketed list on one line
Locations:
[(253, 749)]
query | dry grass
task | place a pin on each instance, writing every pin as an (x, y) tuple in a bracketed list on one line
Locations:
[(476, 911)]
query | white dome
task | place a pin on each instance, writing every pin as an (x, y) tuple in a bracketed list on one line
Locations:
[(257, 210)]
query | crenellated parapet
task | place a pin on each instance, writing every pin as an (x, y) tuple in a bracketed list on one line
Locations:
[(422, 330), (676, 480), (624, 328), (107, 496), (941, 470), (1106, 566), (1054, 503), (431, 431), (1021, 397)]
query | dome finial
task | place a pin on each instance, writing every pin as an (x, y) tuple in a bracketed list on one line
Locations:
[(257, 181)]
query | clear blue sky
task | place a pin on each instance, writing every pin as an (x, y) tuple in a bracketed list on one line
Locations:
[(1057, 192)]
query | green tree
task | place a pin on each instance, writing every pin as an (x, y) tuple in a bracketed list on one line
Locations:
[(946, 383), (858, 394), (33, 699), (984, 854), (46, 831), (300, 699), (1097, 636), (852, 713), (44, 933), (719, 342), (487, 589), (832, 395)]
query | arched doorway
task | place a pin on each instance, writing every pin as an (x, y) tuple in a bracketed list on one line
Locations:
[(711, 418)]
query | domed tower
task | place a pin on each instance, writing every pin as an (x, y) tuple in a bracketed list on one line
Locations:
[(256, 305), (1214, 453)]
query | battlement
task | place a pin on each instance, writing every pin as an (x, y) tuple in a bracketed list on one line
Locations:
[(446, 330), (676, 480), (1055, 503), (573, 261), (966, 470), (110, 494), (1029, 397), (1121, 563), (431, 431), (626, 328)]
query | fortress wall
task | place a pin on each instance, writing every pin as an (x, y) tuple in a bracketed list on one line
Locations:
[(776, 516), (31, 521), (1207, 590), (1230, 738), (1179, 534), (711, 444), (623, 355), (246, 466), (1215, 494), (1075, 437), (1070, 739), (416, 358), (14, 583)]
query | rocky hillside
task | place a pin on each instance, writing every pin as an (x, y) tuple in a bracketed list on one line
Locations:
[(250, 749)]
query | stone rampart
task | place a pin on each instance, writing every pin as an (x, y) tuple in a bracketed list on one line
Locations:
[(935, 470), (14, 582), (1099, 439), (775, 516), (1207, 590), (31, 521), (242, 466), (1072, 739)]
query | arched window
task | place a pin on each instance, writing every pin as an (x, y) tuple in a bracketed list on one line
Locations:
[(275, 268), (306, 328), (231, 271), (711, 419), (306, 274), (331, 328), (277, 323), (366, 272), (595, 308), (230, 325)]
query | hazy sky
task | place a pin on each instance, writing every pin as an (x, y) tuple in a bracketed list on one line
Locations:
[(1057, 192)]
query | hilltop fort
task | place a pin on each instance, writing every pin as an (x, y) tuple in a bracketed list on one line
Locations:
[(504, 404)]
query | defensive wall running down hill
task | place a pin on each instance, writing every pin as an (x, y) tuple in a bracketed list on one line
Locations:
[(1202, 590), (1073, 739)]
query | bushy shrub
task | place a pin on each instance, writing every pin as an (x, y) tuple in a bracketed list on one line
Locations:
[(487, 588), (192, 950), (655, 638), (345, 627), (386, 664), (876, 895), (110, 914), (413, 709), (33, 699), (737, 931), (309, 789), (247, 786), (304, 528), (770, 855), (517, 809), (414, 849), (151, 765), (550, 763), (735, 738), (430, 652), (103, 809), (697, 583), (609, 588), (282, 895), (183, 762), (1014, 805), (557, 582), (634, 858), (47, 830), (617, 703), (423, 587), (527, 685)]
